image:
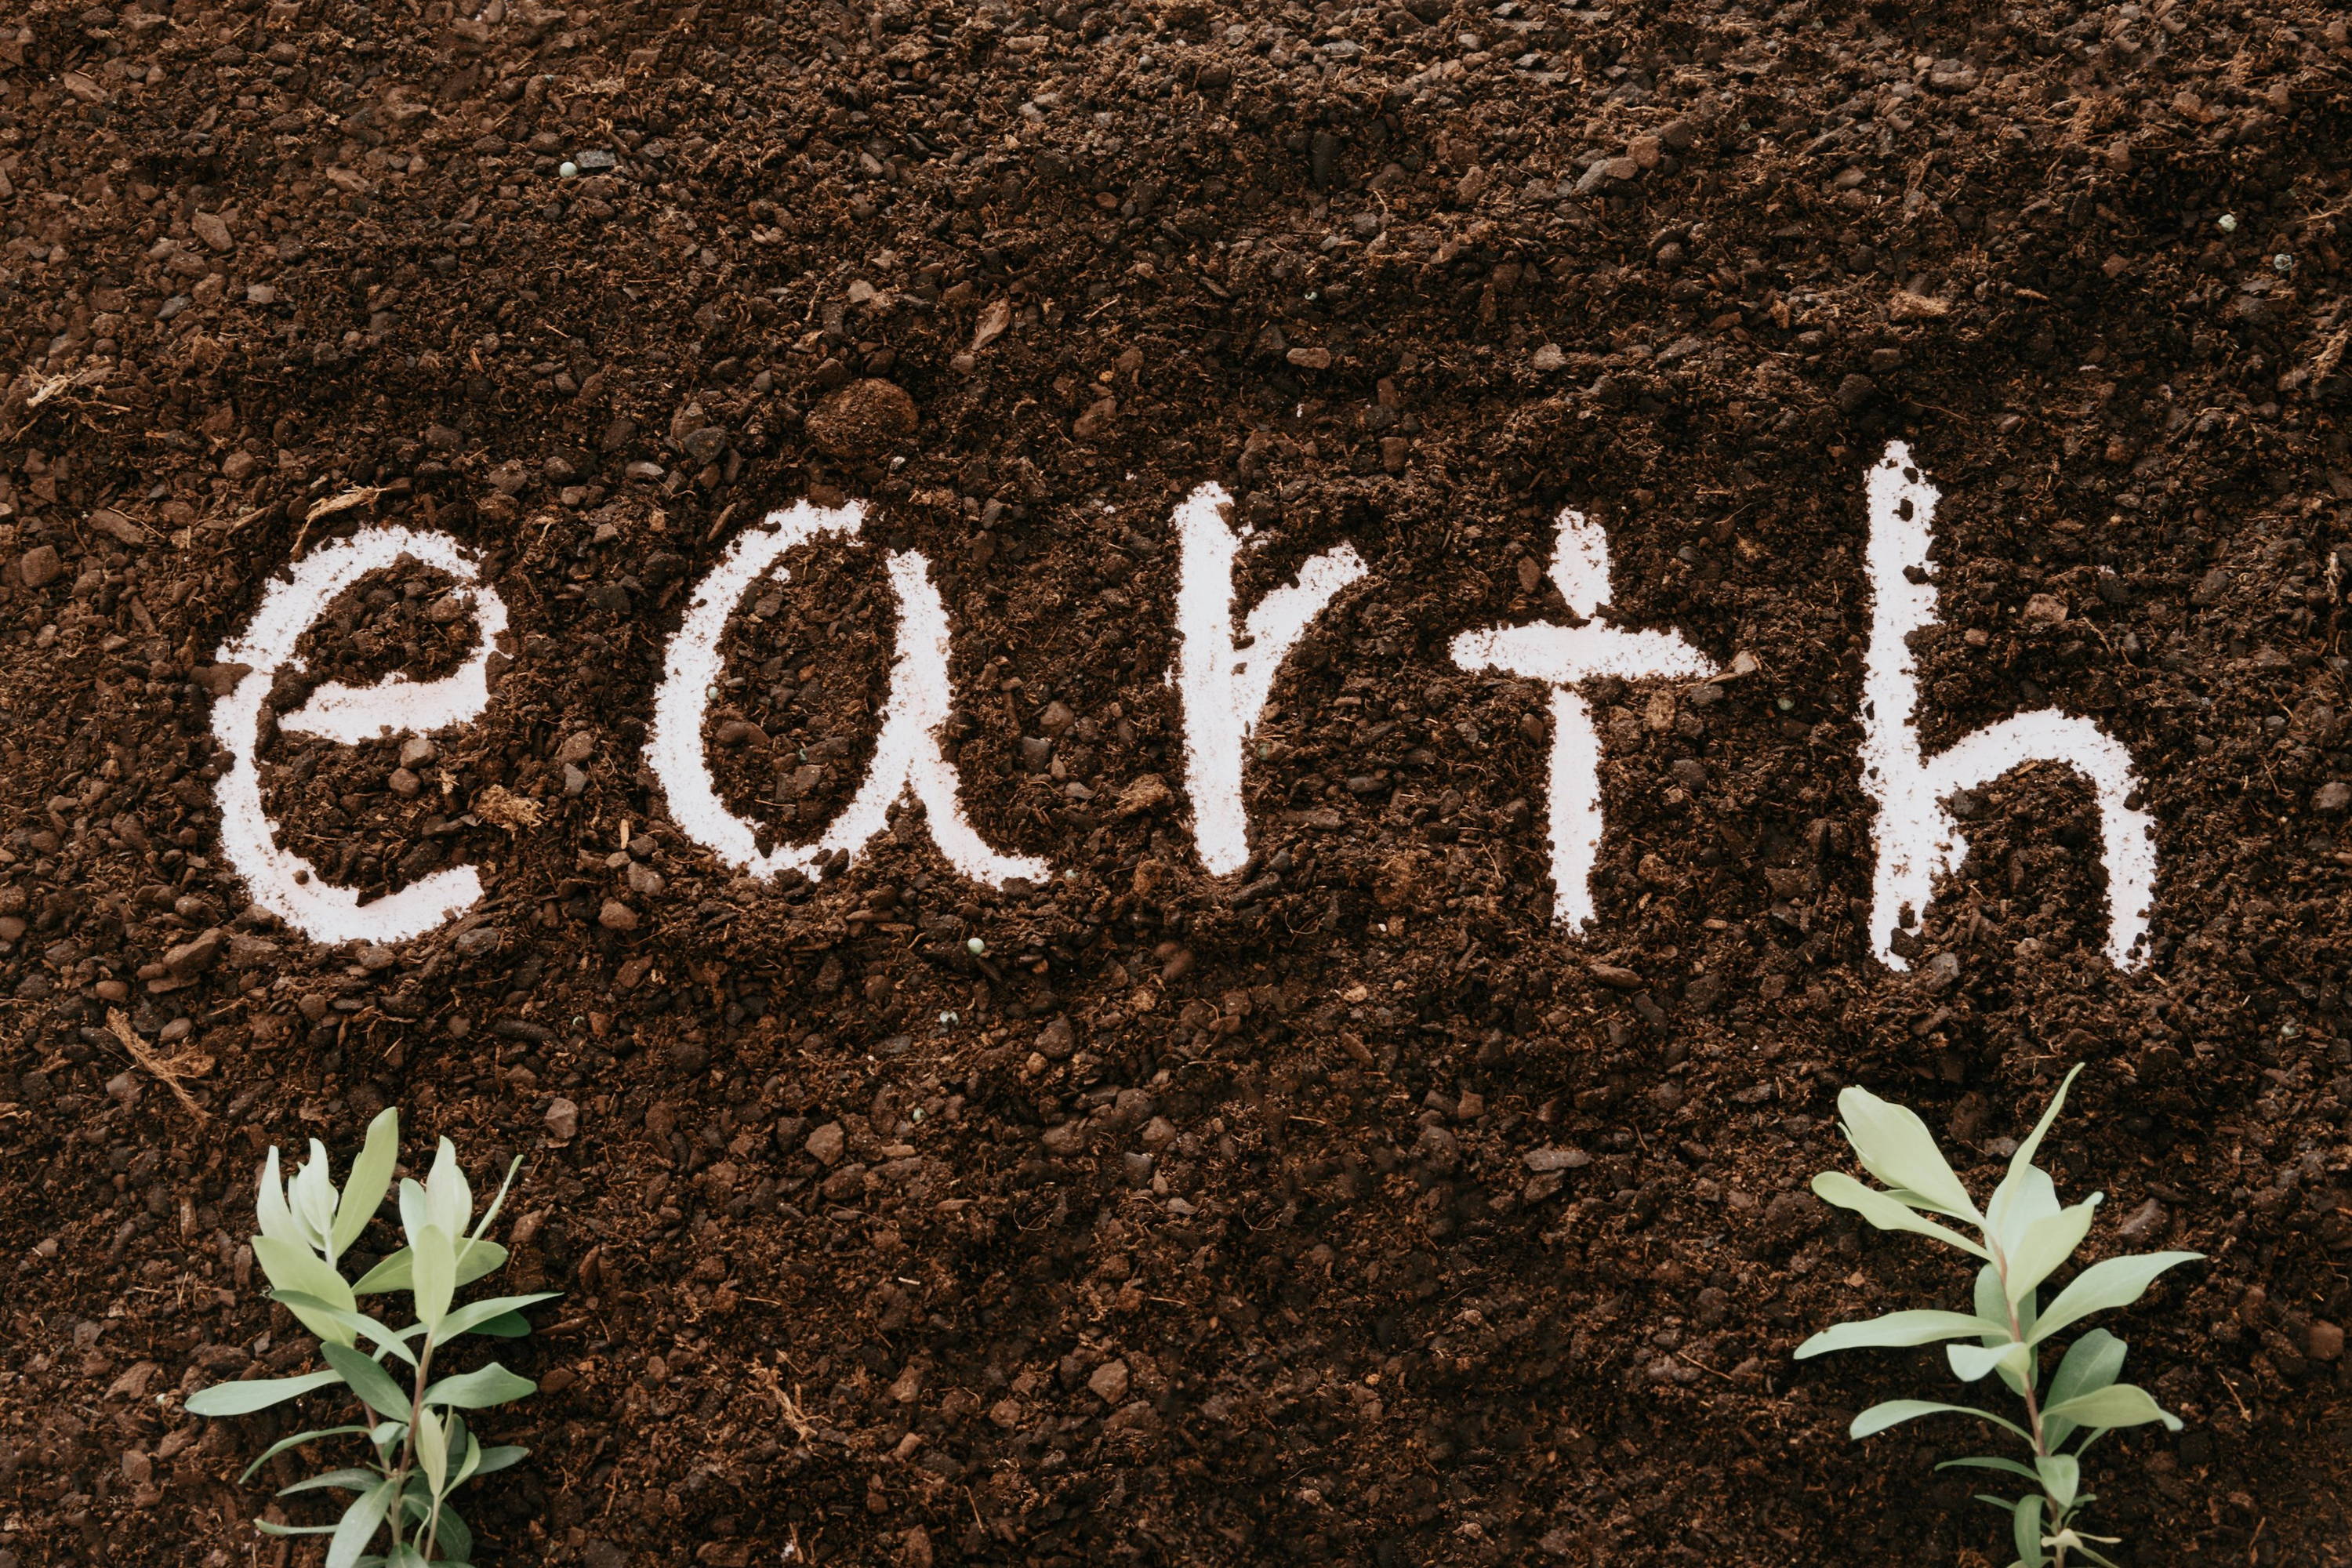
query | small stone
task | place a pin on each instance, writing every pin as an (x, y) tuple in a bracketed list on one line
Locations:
[(865, 419), (375, 958), (563, 1119), (1145, 792), (1109, 1382), (404, 783), (1615, 976), (1549, 358), (2145, 1223), (213, 231), (826, 1144), (2045, 610), (1057, 1041), (707, 445), (1854, 391), (2324, 1341), (1310, 358), (2333, 797), (1553, 1159), (196, 956), (617, 916), (38, 567), (567, 169)]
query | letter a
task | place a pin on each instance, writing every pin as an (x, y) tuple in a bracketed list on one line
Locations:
[(1224, 689), (906, 755), (281, 882), (1918, 838), (1562, 657)]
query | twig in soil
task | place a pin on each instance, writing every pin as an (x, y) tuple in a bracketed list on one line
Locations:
[(166, 1071), (795, 1417)]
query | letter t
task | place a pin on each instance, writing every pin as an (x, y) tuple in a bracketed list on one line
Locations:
[(1563, 656)]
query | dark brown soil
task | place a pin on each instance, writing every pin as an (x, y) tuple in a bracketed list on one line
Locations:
[(1190, 1224)]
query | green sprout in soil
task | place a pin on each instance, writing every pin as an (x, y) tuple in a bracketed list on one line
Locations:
[(420, 1448), (2024, 1236)]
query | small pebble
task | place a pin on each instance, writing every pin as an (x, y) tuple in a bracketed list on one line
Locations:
[(567, 169)]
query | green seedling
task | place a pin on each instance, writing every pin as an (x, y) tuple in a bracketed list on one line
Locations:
[(420, 1448), (2023, 1238)]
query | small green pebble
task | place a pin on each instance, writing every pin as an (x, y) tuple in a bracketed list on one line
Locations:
[(2227, 223), (1788, 705), (2282, 262), (975, 946), (568, 168)]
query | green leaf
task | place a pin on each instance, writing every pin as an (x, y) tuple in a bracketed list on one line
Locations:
[(1992, 1303), (1895, 1146), (392, 1274), (2025, 1529), (453, 1540), (2117, 1405), (1918, 1328), (360, 1323), (2016, 1203), (292, 1267), (498, 1202), (270, 1207), (256, 1393), (269, 1528), (1982, 1463), (1970, 1362), (2093, 1362), (370, 1179), (433, 1450), (448, 1200), (2116, 1282), (2023, 1157), (355, 1480), (500, 1458), (1884, 1211), (476, 1258), (1893, 1412), (359, 1526), (474, 1314), (492, 1384), (296, 1441), (506, 1326), (2061, 1478), (368, 1380), (311, 1195), (2047, 1243), (435, 1269), (405, 1556), (469, 1459)]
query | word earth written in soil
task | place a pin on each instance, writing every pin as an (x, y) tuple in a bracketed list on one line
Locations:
[(1223, 684)]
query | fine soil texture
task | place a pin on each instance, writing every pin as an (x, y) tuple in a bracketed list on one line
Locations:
[(1346, 1210)]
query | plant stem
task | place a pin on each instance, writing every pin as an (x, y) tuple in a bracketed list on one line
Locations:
[(408, 1442), (2052, 1512)]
